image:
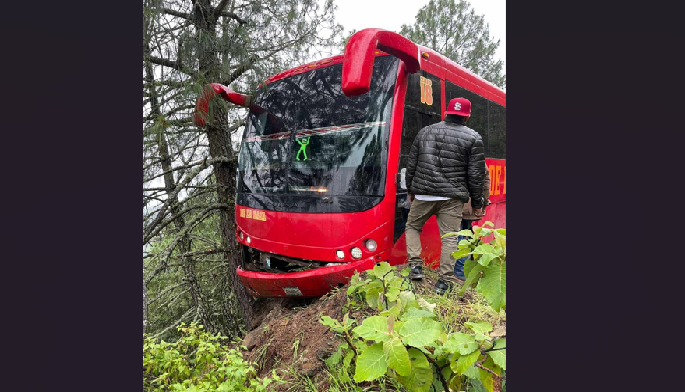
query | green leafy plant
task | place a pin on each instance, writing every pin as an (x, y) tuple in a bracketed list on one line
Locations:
[(406, 343), (198, 362), (486, 270)]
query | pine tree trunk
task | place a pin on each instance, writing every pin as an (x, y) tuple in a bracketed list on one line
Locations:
[(220, 147)]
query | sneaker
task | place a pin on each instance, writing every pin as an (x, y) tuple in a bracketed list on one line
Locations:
[(416, 272), (441, 287)]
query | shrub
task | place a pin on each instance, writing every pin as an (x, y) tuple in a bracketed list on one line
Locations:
[(197, 362)]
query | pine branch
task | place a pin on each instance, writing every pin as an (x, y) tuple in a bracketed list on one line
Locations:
[(176, 13)]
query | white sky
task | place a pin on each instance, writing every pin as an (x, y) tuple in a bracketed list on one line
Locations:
[(392, 14)]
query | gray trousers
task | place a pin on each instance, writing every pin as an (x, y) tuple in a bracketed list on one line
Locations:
[(449, 213)]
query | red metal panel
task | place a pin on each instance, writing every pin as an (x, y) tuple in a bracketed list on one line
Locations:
[(359, 57), (312, 283), (445, 68), (442, 98), (498, 179)]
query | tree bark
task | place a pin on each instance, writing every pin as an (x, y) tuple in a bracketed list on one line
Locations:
[(220, 146)]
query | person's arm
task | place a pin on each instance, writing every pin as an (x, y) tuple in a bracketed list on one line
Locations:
[(412, 161), (486, 188), (476, 174)]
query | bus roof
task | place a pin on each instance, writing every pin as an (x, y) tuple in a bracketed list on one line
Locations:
[(432, 62)]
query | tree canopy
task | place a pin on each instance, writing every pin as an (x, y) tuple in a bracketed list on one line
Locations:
[(454, 30)]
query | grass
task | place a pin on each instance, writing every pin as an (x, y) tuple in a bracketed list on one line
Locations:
[(453, 311), (450, 309)]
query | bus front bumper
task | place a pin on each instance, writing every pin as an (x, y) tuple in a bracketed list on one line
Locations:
[(311, 283)]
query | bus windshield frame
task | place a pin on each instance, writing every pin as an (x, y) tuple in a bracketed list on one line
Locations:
[(309, 148)]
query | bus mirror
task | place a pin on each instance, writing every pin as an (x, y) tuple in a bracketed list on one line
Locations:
[(360, 54), (202, 104)]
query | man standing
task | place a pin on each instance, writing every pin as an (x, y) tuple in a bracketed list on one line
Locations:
[(446, 165)]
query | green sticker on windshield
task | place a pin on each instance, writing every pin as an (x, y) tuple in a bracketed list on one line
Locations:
[(303, 148)]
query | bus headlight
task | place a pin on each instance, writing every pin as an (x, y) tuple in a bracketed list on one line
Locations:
[(371, 245), (248, 240), (339, 254), (356, 253), (241, 235)]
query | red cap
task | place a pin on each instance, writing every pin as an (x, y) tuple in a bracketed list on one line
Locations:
[(459, 106)]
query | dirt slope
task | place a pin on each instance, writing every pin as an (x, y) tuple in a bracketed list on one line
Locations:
[(290, 336)]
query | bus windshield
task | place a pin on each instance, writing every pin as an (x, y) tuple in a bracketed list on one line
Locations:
[(303, 136)]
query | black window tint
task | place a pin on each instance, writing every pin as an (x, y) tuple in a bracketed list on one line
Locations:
[(305, 137), (497, 133), (487, 118)]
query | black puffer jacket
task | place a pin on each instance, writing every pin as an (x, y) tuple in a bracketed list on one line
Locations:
[(447, 159)]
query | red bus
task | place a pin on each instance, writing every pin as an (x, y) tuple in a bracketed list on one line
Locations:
[(320, 183)]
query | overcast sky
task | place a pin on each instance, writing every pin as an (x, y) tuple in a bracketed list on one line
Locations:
[(392, 14)]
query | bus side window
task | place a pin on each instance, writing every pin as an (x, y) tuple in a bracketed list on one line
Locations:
[(479, 120), (497, 133)]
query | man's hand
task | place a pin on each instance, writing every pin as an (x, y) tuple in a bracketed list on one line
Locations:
[(411, 197), (479, 212)]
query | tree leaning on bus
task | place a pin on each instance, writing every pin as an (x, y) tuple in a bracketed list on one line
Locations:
[(446, 166)]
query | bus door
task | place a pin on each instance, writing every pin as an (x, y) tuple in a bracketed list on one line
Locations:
[(422, 108)]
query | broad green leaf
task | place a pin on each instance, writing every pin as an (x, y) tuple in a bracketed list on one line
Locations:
[(347, 360), (468, 266), (480, 337), (392, 294), (499, 356), (421, 377), (414, 313), (461, 253), (373, 328), (472, 372), (472, 276), (484, 232), (493, 285), (487, 252), (420, 332), (463, 362), (456, 384), (331, 323), (397, 356), (405, 272), (476, 385), (393, 311), (426, 305), (371, 364), (463, 233), (334, 359), (487, 380), (461, 343), (488, 223), (408, 300), (373, 297), (489, 363), (480, 326), (380, 270)]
